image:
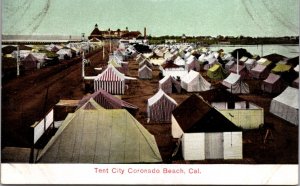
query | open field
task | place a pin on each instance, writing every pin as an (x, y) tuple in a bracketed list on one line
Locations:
[(24, 102)]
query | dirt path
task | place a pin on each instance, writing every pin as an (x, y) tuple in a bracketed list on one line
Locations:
[(23, 98)]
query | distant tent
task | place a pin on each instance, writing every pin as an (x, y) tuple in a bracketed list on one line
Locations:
[(286, 105), (273, 84), (140, 58), (179, 61), (264, 61), (281, 68), (194, 82), (192, 63), (229, 65), (205, 133), (259, 71), (243, 59), (160, 107), (169, 85), (216, 72), (145, 72), (100, 136), (241, 70), (250, 63), (145, 62), (107, 101), (30, 62), (235, 84)]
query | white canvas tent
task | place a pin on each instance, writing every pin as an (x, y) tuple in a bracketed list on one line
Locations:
[(194, 82), (286, 105), (235, 84)]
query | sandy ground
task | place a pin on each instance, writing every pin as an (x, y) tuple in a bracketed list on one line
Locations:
[(23, 103)]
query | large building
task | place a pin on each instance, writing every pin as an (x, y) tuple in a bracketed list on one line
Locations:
[(105, 34)]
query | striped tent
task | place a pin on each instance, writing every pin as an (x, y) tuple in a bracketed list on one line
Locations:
[(111, 80), (145, 62), (145, 72), (107, 101), (169, 85), (160, 107)]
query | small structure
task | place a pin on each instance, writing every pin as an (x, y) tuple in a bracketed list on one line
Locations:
[(30, 62), (205, 133), (216, 72), (169, 85), (194, 82), (229, 64), (281, 68), (273, 84), (243, 114), (250, 63), (111, 80), (192, 63), (160, 107), (107, 101), (96, 135), (145, 72), (145, 62), (286, 105), (235, 84), (63, 53), (259, 71)]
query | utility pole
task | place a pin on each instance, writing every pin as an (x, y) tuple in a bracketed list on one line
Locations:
[(18, 61), (103, 50), (83, 61), (109, 42)]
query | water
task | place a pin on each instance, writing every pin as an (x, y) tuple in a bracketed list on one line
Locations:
[(289, 51)]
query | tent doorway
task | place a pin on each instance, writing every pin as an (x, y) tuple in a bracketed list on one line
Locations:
[(214, 146)]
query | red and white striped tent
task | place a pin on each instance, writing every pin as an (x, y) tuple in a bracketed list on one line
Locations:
[(160, 107), (107, 101), (169, 85), (111, 80), (145, 72)]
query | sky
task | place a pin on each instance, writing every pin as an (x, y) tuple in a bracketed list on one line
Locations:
[(254, 18)]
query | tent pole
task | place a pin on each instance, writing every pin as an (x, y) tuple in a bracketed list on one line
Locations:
[(237, 66)]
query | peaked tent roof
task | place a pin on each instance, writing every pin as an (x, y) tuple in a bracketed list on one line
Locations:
[(272, 78), (289, 97), (158, 96), (101, 136), (106, 100), (216, 72), (195, 115), (235, 84), (30, 58), (112, 74), (279, 68)]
